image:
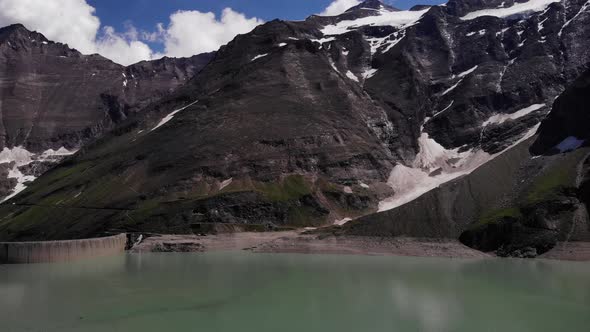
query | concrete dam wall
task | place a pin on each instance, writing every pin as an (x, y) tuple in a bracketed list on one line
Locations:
[(60, 251)]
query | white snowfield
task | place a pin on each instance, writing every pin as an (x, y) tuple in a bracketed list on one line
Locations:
[(171, 116), (529, 7), (433, 166), (21, 157), (398, 19), (501, 118)]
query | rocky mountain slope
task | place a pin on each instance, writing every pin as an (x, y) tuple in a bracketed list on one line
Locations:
[(53, 99), (315, 122), (519, 204)]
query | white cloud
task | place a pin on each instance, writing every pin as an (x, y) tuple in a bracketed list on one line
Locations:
[(339, 6), (193, 32), (125, 48), (68, 21), (74, 22)]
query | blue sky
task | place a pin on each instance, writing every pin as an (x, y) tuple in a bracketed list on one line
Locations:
[(146, 13)]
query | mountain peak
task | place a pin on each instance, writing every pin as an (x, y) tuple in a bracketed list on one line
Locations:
[(372, 4), (13, 27), (18, 31)]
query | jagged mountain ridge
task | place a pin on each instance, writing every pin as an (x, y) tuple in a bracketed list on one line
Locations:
[(54, 99), (302, 123)]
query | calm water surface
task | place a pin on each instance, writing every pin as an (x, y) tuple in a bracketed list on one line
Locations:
[(275, 293)]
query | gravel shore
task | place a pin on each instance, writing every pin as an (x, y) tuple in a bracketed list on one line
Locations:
[(298, 242)]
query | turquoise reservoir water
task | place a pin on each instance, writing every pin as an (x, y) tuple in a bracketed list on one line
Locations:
[(275, 293)]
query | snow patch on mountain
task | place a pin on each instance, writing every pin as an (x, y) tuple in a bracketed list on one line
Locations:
[(453, 87), (462, 77), (480, 32), (384, 44), (323, 40), (171, 116), (342, 221), (433, 166), (467, 72), (540, 25), (368, 73), (19, 156), (225, 183), (258, 57), (501, 118), (523, 8), (333, 65), (443, 110), (352, 76), (397, 19)]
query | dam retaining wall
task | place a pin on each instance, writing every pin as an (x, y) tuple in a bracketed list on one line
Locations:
[(60, 251)]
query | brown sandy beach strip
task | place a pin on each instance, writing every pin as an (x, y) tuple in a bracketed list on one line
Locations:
[(296, 242)]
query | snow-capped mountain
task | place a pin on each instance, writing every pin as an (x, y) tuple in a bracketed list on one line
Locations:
[(320, 121)]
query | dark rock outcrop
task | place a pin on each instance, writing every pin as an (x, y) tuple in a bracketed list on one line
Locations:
[(570, 118)]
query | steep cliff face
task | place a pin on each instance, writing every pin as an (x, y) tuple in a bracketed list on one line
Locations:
[(53, 99), (314, 122)]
